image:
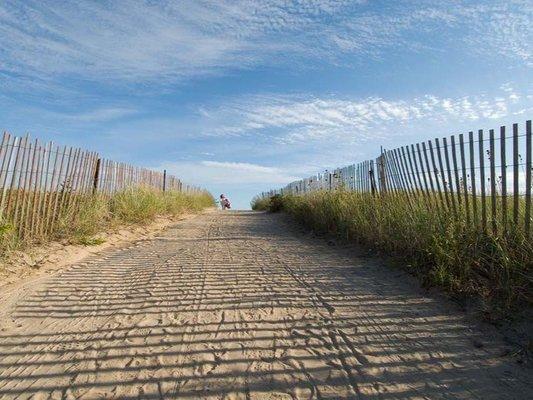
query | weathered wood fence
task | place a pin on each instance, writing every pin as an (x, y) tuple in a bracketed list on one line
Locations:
[(484, 177), (38, 180)]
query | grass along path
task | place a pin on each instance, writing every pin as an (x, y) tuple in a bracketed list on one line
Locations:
[(445, 250)]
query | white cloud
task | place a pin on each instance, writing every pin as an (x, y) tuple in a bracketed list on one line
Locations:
[(290, 119), (236, 166), (217, 172), (98, 115), (168, 41)]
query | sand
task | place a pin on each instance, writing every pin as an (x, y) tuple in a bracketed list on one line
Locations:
[(239, 305)]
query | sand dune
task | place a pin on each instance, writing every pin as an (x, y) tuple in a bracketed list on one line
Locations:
[(239, 305)]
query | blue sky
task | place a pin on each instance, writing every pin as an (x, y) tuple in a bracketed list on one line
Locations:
[(242, 96)]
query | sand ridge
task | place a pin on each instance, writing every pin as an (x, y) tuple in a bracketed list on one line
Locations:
[(237, 305)]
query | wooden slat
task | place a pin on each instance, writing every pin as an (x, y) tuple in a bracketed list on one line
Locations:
[(35, 215), (6, 165), (403, 160), (20, 208), (28, 191), (493, 181), (107, 181), (442, 203), (402, 176), (390, 175), (473, 182), (359, 186), (78, 178), (416, 171), (365, 176), (464, 177), (393, 157), (56, 191), (442, 174), (380, 171), (53, 159), (422, 169), (86, 173), (373, 177), (47, 155), (503, 164), (395, 168), (414, 175), (482, 180), (91, 172), (417, 191), (453, 195), (456, 173), (386, 178), (67, 181), (401, 171), (18, 175), (176, 182), (35, 190), (432, 197), (527, 215), (81, 186), (75, 179), (4, 157)]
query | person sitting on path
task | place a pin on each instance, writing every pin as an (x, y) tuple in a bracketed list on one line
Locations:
[(224, 202)]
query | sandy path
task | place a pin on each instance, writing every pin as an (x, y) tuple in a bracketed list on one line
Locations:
[(237, 305)]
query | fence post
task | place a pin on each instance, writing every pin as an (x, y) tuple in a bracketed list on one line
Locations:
[(96, 175), (372, 177), (527, 216), (464, 177), (503, 164), (493, 180), (516, 187), (482, 180), (164, 180), (381, 172), (473, 175)]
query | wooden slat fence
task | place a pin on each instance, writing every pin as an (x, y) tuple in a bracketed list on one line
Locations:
[(38, 181), (484, 179)]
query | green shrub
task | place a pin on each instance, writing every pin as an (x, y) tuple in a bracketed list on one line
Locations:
[(272, 203), (8, 237), (260, 203), (276, 203), (136, 205)]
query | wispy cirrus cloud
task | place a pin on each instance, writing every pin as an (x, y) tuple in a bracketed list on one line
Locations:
[(299, 118), (169, 41), (221, 172), (97, 115)]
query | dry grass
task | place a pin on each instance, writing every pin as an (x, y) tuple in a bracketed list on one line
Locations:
[(445, 251), (260, 203), (91, 214)]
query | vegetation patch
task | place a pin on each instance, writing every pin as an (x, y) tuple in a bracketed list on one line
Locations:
[(442, 249), (88, 215)]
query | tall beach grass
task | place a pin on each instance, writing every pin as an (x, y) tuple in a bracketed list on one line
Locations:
[(91, 214), (442, 249)]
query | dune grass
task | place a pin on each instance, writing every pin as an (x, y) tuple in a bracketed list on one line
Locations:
[(91, 214), (261, 203), (443, 250)]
